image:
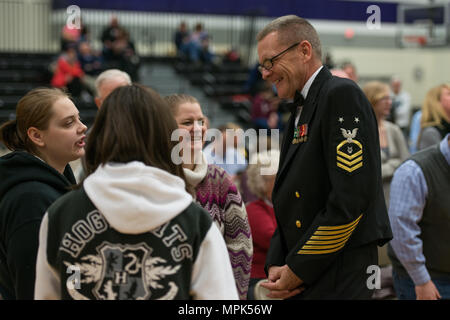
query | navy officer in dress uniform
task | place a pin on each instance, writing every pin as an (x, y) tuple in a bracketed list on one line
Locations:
[(328, 195)]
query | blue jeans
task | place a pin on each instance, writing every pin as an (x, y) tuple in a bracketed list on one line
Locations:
[(405, 288)]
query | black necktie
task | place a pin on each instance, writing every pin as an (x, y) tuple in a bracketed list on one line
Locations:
[(298, 101)]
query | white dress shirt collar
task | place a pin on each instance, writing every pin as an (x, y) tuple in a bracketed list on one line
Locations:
[(308, 83)]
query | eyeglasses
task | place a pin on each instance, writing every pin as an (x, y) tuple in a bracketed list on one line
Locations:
[(268, 63)]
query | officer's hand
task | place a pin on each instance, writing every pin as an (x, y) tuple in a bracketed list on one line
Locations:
[(427, 291), (274, 273), (283, 283)]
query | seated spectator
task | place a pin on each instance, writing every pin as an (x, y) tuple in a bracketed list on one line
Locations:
[(264, 110), (419, 213), (69, 37), (124, 56), (401, 105), (46, 135), (181, 39), (90, 61), (213, 189), (198, 34), (72, 36), (206, 54), (68, 73), (232, 57), (91, 64), (435, 120), (197, 48), (111, 33), (147, 239), (119, 51), (261, 215)]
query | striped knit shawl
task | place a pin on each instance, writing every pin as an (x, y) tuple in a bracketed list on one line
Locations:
[(218, 195)]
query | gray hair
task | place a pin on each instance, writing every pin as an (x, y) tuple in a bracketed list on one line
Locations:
[(292, 29), (111, 74), (395, 78), (255, 180)]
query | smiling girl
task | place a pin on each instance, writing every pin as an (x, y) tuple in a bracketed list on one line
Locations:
[(45, 136), (214, 190)]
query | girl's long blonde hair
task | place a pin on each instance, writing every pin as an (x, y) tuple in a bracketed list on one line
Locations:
[(432, 111)]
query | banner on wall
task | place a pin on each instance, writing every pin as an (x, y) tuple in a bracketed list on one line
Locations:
[(318, 9)]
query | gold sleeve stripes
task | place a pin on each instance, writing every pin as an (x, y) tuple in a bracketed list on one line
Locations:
[(328, 239)]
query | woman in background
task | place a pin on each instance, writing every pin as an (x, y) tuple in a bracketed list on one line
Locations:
[(435, 119), (214, 189), (45, 136), (394, 151), (261, 174), (68, 73), (393, 146)]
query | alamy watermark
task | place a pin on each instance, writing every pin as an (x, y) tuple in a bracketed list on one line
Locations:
[(233, 139), (74, 281), (374, 20), (374, 280), (74, 19)]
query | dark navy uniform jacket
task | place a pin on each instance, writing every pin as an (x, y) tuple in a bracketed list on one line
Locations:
[(328, 195)]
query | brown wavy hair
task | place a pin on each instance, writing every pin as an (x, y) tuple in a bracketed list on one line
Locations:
[(133, 124)]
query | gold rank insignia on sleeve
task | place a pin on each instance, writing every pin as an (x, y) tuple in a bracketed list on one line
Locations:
[(328, 239), (349, 151)]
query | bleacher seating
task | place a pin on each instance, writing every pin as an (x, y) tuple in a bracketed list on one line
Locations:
[(223, 82), (22, 72), (216, 80)]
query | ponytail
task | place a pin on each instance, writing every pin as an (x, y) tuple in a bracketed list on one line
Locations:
[(9, 135)]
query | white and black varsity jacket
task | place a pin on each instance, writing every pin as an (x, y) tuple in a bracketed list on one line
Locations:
[(131, 232)]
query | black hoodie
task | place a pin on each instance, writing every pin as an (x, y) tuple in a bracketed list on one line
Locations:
[(28, 186)]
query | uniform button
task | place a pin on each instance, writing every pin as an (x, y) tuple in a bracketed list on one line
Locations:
[(298, 223), (297, 194)]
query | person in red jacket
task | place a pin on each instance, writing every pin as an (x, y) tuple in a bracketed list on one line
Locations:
[(261, 174), (68, 72)]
